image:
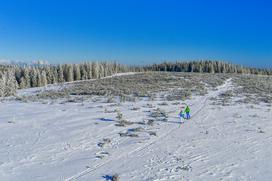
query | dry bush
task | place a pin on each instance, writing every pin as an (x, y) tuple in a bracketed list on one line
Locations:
[(223, 98), (109, 111), (123, 123), (157, 113), (150, 122), (260, 130), (105, 142), (135, 108), (163, 104), (110, 99), (119, 115), (141, 123), (128, 134), (152, 133), (175, 103), (148, 105), (138, 129)]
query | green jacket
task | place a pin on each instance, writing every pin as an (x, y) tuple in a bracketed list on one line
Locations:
[(187, 109)]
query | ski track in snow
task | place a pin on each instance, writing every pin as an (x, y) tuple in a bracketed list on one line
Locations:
[(60, 142)]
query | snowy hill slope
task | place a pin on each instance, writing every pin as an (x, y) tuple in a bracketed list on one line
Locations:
[(84, 141)]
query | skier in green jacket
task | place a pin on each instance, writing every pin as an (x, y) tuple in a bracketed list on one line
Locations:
[(187, 111)]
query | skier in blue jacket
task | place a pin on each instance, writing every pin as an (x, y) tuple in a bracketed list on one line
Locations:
[(181, 114)]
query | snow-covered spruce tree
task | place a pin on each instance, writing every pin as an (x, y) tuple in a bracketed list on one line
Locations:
[(105, 71), (43, 78), (22, 83), (25, 74), (60, 77), (70, 73), (2, 84), (33, 77), (49, 74), (39, 78), (55, 75), (115, 67), (101, 70), (84, 73), (210, 68), (8, 83), (95, 70), (22, 76), (109, 68), (18, 74), (11, 84), (76, 69), (86, 69)]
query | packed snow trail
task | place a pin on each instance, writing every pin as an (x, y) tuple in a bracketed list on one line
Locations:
[(195, 113)]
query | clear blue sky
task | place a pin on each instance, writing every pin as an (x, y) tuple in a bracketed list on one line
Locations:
[(137, 31)]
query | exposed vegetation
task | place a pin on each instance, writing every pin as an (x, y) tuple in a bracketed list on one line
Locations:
[(170, 86), (255, 89), (15, 76), (247, 89)]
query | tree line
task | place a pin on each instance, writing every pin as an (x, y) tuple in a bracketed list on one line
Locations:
[(13, 77), (207, 67)]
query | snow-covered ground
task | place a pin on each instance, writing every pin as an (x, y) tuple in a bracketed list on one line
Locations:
[(66, 141)]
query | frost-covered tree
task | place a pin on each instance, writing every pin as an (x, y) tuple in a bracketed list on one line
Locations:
[(55, 75), (43, 78), (33, 77), (49, 74), (95, 69), (60, 74), (84, 73), (11, 83), (8, 83), (68, 73), (77, 75), (38, 78), (100, 70), (2, 84)]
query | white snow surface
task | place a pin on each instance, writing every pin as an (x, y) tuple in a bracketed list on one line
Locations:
[(61, 141)]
